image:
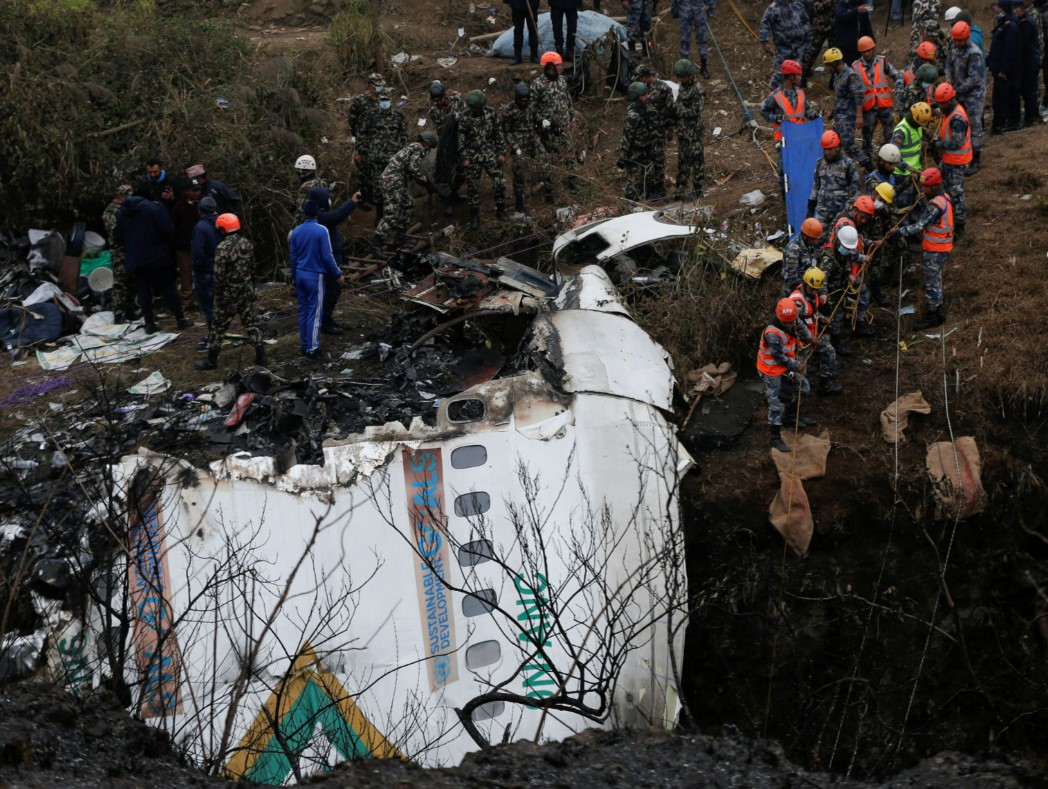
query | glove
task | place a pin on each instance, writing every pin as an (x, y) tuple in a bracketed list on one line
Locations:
[(621, 164), (545, 123), (790, 376)]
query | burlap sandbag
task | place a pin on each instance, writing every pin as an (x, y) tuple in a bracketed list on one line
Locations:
[(957, 477), (912, 403), (790, 510)]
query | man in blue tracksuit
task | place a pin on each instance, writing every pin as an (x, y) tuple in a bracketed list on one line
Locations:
[(312, 259), (331, 218)]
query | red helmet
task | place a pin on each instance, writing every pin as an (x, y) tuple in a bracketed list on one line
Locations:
[(227, 223), (550, 57), (786, 310), (790, 68), (931, 177), (830, 139), (945, 92), (961, 31), (926, 50), (865, 204), (866, 44)]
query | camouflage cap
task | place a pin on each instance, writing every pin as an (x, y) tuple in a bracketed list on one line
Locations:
[(931, 25), (644, 70), (376, 79), (124, 190)]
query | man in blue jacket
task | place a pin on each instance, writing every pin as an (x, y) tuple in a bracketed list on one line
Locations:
[(331, 219), (202, 254), (146, 231), (312, 262)]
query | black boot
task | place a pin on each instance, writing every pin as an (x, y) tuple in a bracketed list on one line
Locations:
[(500, 212), (704, 69), (376, 247), (631, 46), (840, 347), (931, 319), (516, 61), (518, 204), (863, 329), (210, 363), (975, 165), (260, 356), (474, 218), (776, 439), (828, 387), (534, 55), (449, 206)]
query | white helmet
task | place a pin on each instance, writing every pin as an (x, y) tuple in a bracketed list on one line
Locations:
[(890, 153), (848, 237), (951, 13), (305, 162)]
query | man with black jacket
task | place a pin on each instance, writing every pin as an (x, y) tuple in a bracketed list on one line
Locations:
[(161, 186), (226, 199), (147, 234)]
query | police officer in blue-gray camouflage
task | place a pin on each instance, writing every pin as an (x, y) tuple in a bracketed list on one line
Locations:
[(786, 23), (693, 17)]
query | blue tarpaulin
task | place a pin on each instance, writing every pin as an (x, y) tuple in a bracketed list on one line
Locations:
[(592, 25), (800, 151)]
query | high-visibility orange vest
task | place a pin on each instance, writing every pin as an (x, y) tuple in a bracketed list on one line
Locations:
[(765, 362), (876, 90), (964, 154), (807, 307), (790, 112), (908, 75), (938, 236)]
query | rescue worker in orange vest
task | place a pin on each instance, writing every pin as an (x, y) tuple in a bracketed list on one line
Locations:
[(953, 145), (936, 228), (878, 76), (845, 259), (781, 369), (787, 104), (809, 296), (924, 55)]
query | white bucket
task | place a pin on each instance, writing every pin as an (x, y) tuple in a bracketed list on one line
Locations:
[(100, 280), (93, 244)]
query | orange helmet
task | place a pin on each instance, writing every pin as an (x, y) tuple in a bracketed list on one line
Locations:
[(926, 50), (866, 44), (931, 177), (830, 139), (227, 223), (945, 92), (786, 310), (961, 31), (550, 57), (812, 227), (790, 67), (865, 204)]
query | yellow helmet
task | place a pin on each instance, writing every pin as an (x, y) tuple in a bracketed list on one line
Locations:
[(832, 55), (815, 278), (922, 113), (886, 192)]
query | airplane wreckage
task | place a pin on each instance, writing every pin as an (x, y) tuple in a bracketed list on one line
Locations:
[(499, 562)]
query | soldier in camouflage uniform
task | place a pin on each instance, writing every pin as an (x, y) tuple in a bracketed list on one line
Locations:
[(443, 105), (234, 291), (638, 24), (693, 16), (555, 115), (966, 71), (925, 17), (786, 22), (403, 169), (836, 181), (482, 149), (662, 106), (306, 170), (383, 132), (123, 296), (521, 133), (847, 102), (822, 16), (691, 152), (637, 151), (921, 87), (360, 106), (801, 253)]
